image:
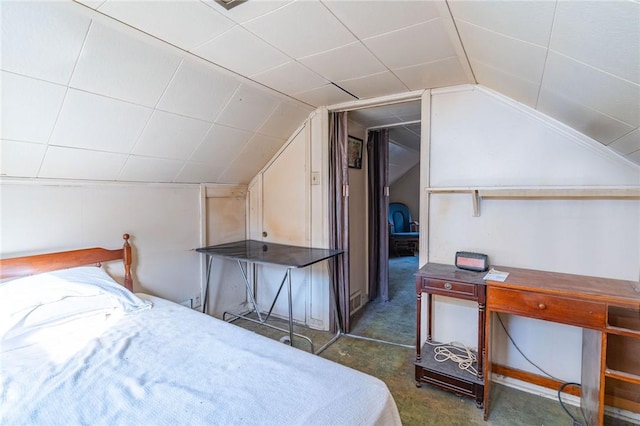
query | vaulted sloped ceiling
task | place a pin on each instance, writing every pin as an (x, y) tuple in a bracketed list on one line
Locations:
[(187, 91)]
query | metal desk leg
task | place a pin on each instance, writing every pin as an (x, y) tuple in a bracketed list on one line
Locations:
[(250, 290), (206, 287), (290, 308), (337, 316)]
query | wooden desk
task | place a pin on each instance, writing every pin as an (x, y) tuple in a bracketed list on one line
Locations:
[(607, 310)]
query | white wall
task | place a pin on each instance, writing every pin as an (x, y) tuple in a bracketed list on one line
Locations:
[(482, 139), (358, 221), (406, 190), (163, 221)]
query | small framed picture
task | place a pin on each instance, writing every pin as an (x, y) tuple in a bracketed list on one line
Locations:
[(354, 152)]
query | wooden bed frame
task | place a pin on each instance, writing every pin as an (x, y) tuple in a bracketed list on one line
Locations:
[(29, 265)]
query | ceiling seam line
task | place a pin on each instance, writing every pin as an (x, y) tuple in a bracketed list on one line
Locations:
[(184, 51), (361, 41), (344, 90), (464, 50), (64, 98), (546, 56)]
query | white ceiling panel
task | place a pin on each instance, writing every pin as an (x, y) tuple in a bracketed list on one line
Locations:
[(248, 109), (73, 163), (286, 118), (185, 23), (220, 147), (42, 39), (406, 138), (445, 72), (254, 156), (344, 63), (29, 108), (242, 52), (249, 10), (530, 21), (259, 69), (381, 84), (368, 18), (289, 78), (405, 111), (325, 95), (171, 136), (373, 116), (198, 91), (634, 156), (592, 123), (511, 85), (603, 34), (418, 44), (627, 144), (401, 160), (197, 173), (506, 54), (588, 86), (147, 169), (94, 4), (96, 122), (315, 29), (20, 158), (121, 64)]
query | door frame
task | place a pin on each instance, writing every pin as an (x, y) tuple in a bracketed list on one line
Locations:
[(425, 142)]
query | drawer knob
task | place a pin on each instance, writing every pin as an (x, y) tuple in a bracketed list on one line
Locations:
[(447, 286), (542, 306)]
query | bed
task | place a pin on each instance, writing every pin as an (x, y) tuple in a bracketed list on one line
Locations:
[(79, 348)]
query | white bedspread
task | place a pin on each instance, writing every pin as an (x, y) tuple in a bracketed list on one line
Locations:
[(170, 365)]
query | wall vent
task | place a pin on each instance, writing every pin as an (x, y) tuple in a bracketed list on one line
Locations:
[(355, 302)]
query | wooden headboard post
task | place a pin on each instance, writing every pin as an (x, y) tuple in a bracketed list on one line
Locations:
[(126, 257)]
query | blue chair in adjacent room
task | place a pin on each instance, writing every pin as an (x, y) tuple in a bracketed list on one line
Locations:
[(403, 231)]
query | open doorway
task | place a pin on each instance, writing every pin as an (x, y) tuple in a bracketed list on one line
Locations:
[(394, 320)]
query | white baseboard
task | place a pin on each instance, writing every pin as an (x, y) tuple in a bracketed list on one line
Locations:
[(566, 398)]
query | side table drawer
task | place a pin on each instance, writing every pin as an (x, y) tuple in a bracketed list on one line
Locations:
[(547, 307), (451, 288)]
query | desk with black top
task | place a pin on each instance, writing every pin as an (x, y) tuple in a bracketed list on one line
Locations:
[(259, 252)]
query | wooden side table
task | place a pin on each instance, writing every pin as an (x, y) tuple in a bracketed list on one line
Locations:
[(447, 280)]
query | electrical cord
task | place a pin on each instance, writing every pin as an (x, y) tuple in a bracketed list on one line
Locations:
[(522, 353), (564, 384), (465, 358)]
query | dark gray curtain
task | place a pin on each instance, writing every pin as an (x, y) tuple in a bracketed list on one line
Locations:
[(378, 156), (339, 213)]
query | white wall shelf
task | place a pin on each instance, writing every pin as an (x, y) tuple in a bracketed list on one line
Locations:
[(540, 193)]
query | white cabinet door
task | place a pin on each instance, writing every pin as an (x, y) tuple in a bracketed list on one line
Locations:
[(285, 216), (225, 223), (285, 220)]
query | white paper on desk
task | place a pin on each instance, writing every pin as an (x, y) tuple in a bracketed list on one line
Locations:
[(494, 275)]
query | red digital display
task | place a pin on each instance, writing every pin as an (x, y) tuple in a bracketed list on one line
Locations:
[(468, 261)]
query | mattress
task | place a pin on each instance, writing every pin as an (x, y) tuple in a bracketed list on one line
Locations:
[(172, 365)]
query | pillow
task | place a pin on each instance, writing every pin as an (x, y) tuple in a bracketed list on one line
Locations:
[(60, 296)]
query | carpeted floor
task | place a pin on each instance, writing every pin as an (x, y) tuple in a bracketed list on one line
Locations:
[(394, 321)]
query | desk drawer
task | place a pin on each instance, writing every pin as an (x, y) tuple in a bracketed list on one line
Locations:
[(564, 310), (452, 288)]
